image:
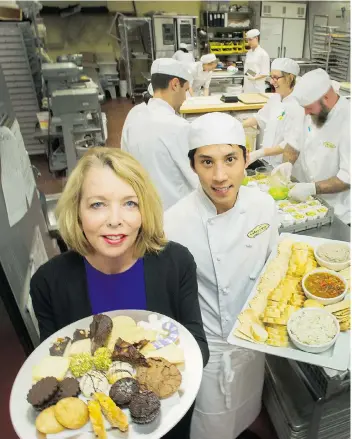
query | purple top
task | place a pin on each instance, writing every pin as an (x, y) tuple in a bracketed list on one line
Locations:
[(109, 292)]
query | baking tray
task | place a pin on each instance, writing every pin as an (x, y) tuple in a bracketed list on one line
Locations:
[(337, 357), (311, 224)]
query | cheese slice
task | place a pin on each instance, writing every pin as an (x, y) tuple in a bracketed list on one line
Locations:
[(259, 333)]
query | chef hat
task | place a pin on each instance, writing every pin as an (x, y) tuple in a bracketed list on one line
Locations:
[(209, 58), (286, 65), (216, 129), (150, 90), (183, 46), (312, 86), (252, 33), (171, 67)]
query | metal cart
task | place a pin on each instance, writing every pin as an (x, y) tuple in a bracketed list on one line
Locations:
[(137, 51)]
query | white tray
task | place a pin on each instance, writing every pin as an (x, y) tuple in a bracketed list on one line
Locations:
[(337, 357), (23, 414)]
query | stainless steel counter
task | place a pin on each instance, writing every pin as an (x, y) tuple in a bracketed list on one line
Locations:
[(337, 230)]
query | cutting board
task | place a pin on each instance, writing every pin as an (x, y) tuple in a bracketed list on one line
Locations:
[(252, 98)]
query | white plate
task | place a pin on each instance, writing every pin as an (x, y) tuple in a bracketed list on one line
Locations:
[(337, 357), (23, 415)]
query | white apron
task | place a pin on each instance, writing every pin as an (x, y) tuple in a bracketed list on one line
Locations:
[(257, 86), (270, 131)]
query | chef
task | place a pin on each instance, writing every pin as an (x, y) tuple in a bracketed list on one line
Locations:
[(256, 66), (158, 138), (322, 164), (282, 117), (230, 230), (183, 55), (202, 72)]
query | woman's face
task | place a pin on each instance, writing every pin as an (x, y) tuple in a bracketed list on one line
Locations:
[(109, 212), (280, 82)]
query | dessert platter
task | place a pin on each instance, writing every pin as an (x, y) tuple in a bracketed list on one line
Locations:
[(300, 305), (121, 374)]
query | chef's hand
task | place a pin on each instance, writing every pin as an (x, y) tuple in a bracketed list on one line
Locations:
[(251, 78), (301, 191), (255, 155), (284, 171)]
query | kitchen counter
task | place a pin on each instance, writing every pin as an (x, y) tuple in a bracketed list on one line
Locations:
[(337, 230), (208, 104)]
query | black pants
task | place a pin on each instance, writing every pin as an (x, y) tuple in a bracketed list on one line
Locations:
[(182, 430)]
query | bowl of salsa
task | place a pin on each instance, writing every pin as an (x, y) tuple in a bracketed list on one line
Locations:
[(324, 286)]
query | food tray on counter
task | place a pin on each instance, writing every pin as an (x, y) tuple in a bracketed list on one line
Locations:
[(337, 357)]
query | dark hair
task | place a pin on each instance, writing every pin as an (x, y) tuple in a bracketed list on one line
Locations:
[(184, 50), (290, 76), (146, 97), (161, 81), (192, 153)]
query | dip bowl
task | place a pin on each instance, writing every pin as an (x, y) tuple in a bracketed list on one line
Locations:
[(324, 301), (336, 266)]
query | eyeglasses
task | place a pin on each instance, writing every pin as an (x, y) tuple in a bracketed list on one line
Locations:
[(276, 78)]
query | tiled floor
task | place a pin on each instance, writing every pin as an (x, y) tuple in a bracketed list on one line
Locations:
[(116, 111)]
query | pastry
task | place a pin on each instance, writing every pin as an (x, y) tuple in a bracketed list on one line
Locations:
[(60, 347), (42, 392), (47, 423), (80, 334), (171, 352), (92, 382), (100, 329), (144, 407), (113, 414), (81, 347), (81, 364), (102, 359), (56, 367), (72, 413), (161, 377), (96, 418), (118, 370), (125, 351), (122, 391)]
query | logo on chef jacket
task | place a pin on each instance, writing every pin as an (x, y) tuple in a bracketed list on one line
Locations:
[(329, 145), (282, 115), (258, 230)]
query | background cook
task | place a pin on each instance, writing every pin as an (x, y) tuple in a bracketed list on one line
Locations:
[(230, 230), (256, 66), (202, 72)]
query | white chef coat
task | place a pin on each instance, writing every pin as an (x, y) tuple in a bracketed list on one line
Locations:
[(185, 58), (158, 139), (282, 122), (257, 60), (228, 263), (132, 115), (200, 78), (325, 153)]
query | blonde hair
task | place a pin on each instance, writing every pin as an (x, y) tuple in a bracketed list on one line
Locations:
[(151, 237)]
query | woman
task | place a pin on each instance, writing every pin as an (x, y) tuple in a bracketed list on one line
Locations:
[(202, 72), (110, 216), (183, 55), (282, 117)]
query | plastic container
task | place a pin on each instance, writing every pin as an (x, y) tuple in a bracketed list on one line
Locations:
[(123, 88), (43, 119), (251, 139), (263, 170)]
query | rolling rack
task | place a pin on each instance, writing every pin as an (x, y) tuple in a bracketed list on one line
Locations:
[(331, 49), (137, 53)]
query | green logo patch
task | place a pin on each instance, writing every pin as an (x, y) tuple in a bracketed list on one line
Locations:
[(258, 230), (329, 145)]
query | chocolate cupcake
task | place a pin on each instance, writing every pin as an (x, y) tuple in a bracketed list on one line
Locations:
[(123, 390), (144, 407), (42, 392)]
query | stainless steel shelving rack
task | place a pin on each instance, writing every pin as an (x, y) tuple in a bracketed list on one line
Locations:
[(137, 52), (331, 48)]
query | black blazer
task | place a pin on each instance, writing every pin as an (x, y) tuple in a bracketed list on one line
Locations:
[(59, 291)]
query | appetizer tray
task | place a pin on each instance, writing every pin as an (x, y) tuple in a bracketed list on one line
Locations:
[(122, 374), (337, 357)]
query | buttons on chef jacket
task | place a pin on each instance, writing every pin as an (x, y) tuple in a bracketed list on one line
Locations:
[(249, 245), (242, 211), (211, 222), (225, 291), (218, 258)]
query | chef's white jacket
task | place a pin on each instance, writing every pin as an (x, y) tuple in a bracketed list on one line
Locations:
[(257, 60), (229, 259), (132, 115), (185, 58), (325, 153), (200, 77), (158, 139), (282, 123)]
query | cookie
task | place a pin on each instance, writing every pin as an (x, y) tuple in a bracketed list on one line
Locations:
[(100, 329), (56, 367), (96, 419), (144, 407), (60, 347), (72, 413), (161, 377), (68, 387), (93, 382), (81, 364), (80, 334), (47, 423), (43, 391), (122, 391), (118, 370), (116, 417), (124, 351)]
